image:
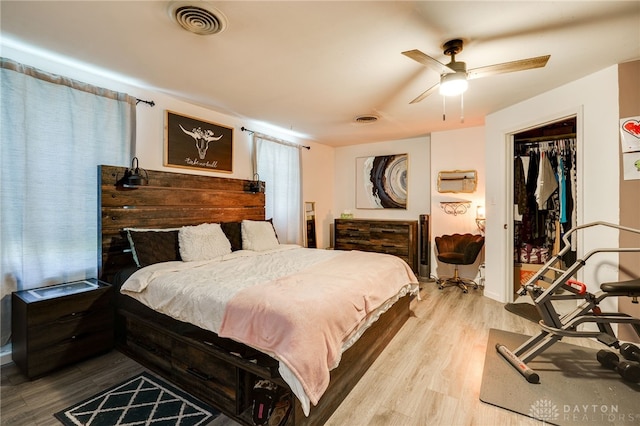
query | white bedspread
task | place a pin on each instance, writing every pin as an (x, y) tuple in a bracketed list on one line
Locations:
[(198, 292)]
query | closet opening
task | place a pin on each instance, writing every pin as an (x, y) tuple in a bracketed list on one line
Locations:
[(544, 196)]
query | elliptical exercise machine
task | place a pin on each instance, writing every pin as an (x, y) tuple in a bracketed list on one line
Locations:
[(555, 326)]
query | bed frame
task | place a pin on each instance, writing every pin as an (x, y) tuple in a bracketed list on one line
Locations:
[(219, 371)]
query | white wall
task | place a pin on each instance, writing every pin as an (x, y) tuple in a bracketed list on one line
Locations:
[(318, 184), (594, 99), (419, 186), (456, 150)]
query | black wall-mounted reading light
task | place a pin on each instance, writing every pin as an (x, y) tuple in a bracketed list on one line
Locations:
[(255, 185), (132, 177)]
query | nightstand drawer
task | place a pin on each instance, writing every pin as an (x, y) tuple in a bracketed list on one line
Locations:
[(68, 351), (65, 308), (80, 324)]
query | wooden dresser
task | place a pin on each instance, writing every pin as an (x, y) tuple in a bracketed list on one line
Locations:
[(397, 237), (58, 325)]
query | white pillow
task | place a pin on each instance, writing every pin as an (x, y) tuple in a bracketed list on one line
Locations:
[(203, 242), (258, 236)]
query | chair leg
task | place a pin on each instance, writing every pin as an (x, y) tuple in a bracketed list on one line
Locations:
[(457, 281)]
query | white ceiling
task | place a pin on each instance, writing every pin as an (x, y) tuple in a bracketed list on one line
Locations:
[(311, 67)]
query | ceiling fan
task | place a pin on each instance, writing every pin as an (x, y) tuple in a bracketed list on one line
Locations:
[(454, 76)]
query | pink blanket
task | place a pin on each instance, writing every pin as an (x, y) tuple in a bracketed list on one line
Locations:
[(304, 318)]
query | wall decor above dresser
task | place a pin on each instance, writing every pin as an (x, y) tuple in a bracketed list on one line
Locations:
[(381, 182)]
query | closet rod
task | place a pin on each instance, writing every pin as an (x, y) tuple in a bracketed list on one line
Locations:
[(545, 138)]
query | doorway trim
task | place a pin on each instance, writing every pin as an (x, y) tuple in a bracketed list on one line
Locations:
[(508, 137)]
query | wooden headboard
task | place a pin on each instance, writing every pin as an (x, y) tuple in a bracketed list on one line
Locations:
[(169, 200)]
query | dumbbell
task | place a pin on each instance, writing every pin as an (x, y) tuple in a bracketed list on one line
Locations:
[(630, 371), (630, 351)]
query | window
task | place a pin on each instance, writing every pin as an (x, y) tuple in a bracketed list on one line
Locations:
[(278, 165), (55, 132)]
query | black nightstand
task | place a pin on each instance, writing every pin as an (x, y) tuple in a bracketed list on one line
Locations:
[(58, 325)]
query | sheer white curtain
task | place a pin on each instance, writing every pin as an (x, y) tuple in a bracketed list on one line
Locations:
[(278, 165), (55, 132)]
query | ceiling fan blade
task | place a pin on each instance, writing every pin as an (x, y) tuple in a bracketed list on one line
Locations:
[(428, 61), (521, 65), (426, 93)]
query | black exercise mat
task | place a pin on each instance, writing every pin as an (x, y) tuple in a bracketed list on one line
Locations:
[(143, 399), (574, 388), (525, 310)]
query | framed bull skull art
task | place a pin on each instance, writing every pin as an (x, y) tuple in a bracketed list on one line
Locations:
[(197, 144)]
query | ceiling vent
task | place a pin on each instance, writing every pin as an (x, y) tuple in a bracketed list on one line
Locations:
[(365, 119), (197, 17)]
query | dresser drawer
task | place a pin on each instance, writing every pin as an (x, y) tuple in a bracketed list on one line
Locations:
[(393, 240), (352, 231), (346, 244), (395, 237), (351, 227), (352, 235), (386, 248), (399, 231)]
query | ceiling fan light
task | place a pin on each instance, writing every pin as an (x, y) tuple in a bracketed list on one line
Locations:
[(453, 84)]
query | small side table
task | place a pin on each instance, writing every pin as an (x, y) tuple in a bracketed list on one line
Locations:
[(58, 325)]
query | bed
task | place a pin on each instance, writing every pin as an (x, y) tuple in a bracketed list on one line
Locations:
[(201, 352)]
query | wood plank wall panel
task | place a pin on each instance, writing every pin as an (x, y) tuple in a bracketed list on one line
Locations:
[(170, 200)]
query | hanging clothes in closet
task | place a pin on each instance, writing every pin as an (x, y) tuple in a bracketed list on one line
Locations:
[(544, 191)]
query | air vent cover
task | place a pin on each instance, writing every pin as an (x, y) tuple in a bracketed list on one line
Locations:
[(366, 119), (197, 17)]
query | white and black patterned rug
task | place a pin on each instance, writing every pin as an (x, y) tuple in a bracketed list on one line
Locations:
[(141, 400)]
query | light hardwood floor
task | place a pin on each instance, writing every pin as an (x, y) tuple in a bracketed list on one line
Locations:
[(430, 374)]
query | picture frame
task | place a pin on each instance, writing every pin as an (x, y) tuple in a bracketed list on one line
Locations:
[(382, 182), (457, 181), (193, 143), (630, 134)]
